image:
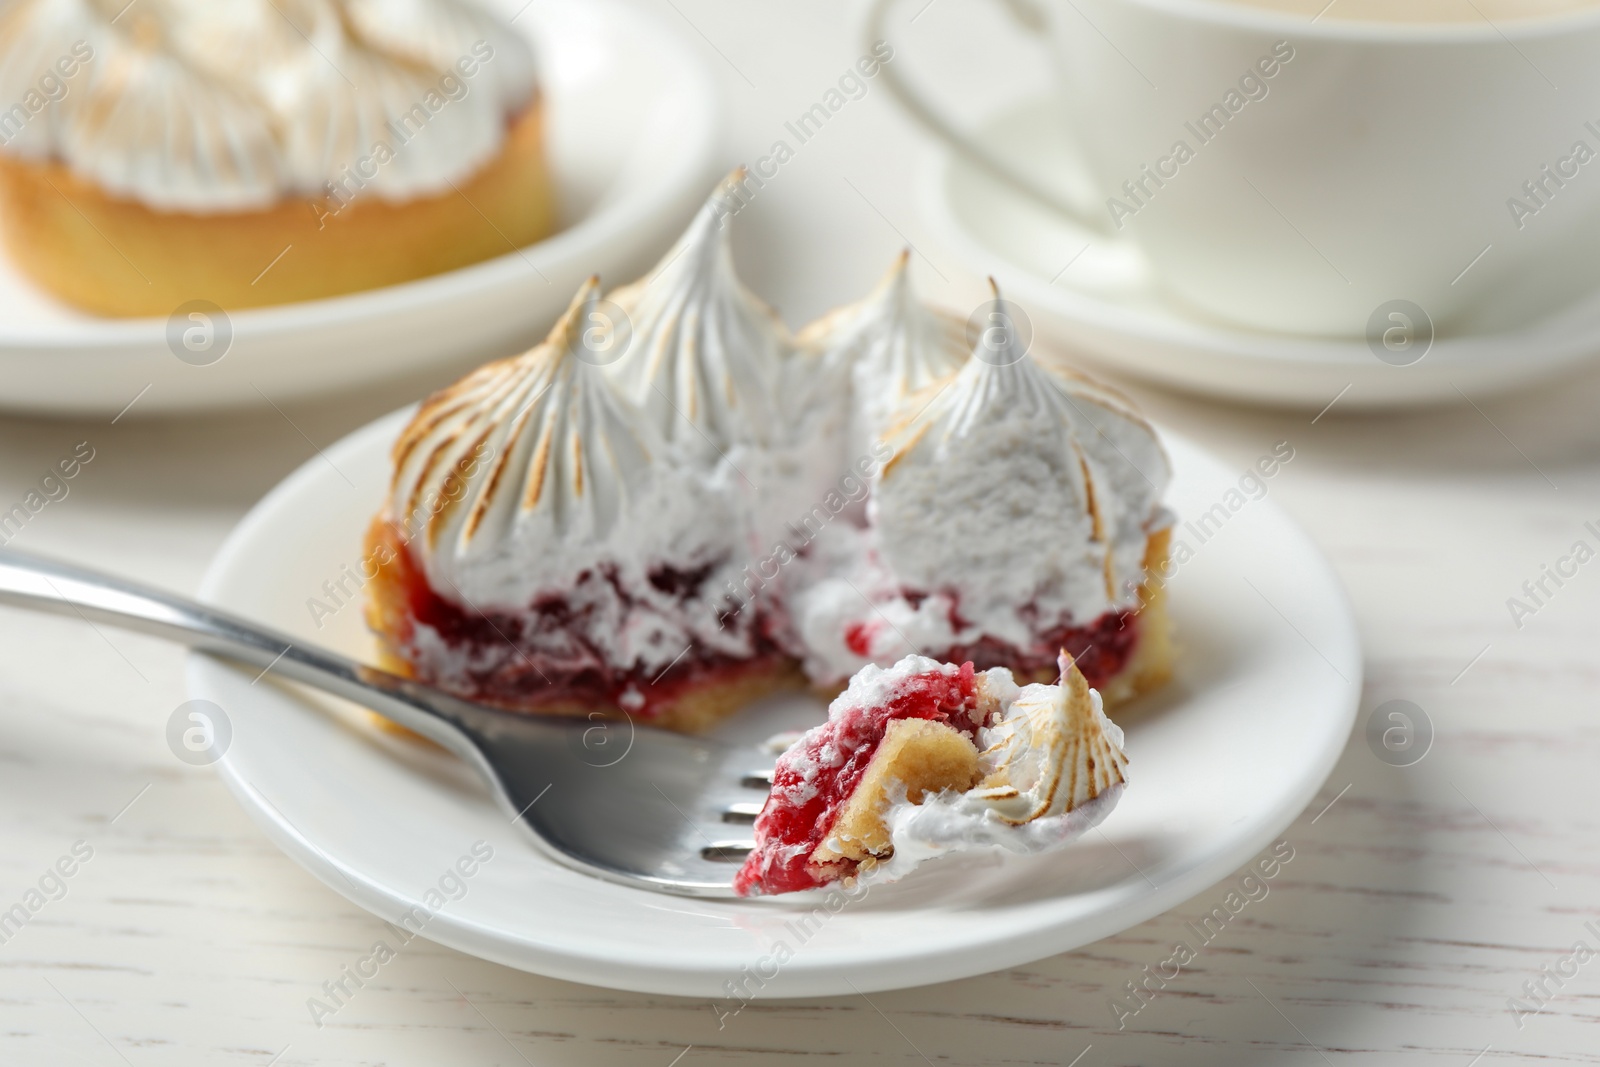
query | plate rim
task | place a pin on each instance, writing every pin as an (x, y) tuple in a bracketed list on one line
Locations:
[(690, 976)]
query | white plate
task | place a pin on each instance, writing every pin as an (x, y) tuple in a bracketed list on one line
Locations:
[(632, 127), (1221, 762), (1109, 306)]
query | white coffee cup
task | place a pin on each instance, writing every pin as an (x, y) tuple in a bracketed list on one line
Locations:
[(1329, 170)]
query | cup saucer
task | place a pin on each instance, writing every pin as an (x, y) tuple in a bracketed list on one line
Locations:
[(1099, 295)]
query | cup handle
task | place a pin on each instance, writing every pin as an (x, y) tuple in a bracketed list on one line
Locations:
[(1030, 18)]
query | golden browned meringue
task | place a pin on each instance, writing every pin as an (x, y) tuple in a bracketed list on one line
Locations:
[(200, 106), (706, 358), (533, 477), (554, 466), (873, 355), (1052, 750), (1046, 488)]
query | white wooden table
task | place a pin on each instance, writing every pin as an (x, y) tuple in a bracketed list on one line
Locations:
[(1417, 905)]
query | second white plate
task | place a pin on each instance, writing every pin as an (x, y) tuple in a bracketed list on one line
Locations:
[(632, 126), (1221, 762)]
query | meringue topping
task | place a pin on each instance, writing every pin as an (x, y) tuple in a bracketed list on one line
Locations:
[(562, 461), (1044, 487), (200, 106), (689, 451), (436, 34), (882, 350), (706, 357), (532, 472), (1051, 751)]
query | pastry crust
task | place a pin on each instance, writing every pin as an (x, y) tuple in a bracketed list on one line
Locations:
[(1150, 667), (916, 756), (118, 257), (694, 709)]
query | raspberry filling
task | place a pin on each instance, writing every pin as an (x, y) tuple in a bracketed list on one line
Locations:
[(1101, 649), (539, 657), (814, 779)]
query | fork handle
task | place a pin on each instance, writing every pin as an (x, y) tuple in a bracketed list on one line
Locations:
[(40, 584)]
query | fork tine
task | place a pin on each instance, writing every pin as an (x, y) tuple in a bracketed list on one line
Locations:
[(741, 812), (727, 851)]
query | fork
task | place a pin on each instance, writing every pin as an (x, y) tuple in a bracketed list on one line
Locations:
[(661, 816)]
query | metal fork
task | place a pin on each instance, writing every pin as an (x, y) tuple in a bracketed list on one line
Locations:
[(660, 816)]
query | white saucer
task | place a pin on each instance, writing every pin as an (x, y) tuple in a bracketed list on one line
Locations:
[(1109, 307), (632, 126), (1221, 762)]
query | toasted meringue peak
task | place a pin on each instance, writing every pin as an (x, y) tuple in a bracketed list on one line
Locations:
[(1051, 752), (437, 34), (705, 359), (221, 150), (536, 448), (202, 106), (1044, 487), (1050, 766), (532, 481), (884, 348)]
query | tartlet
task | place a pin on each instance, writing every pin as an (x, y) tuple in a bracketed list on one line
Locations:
[(677, 524), (672, 506), (262, 151)]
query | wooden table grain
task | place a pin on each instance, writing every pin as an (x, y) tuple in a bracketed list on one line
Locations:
[(1443, 913)]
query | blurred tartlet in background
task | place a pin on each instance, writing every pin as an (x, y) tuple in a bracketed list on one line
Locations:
[(253, 152)]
